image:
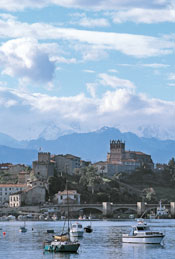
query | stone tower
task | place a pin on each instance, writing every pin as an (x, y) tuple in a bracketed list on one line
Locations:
[(117, 152)]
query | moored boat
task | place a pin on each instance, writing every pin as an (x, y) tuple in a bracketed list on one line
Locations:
[(141, 233), (23, 229), (62, 242), (88, 229), (61, 246), (76, 230)]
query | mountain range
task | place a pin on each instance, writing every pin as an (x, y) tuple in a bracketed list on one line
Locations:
[(91, 146)]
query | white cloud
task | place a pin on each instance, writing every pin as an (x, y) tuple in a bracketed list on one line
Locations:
[(113, 70), (115, 82), (111, 4), (89, 71), (171, 84), (14, 5), (97, 42), (91, 87), (171, 76), (148, 16), (85, 21), (25, 58), (118, 108), (155, 65)]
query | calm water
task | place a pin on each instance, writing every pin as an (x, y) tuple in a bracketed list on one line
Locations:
[(103, 242)]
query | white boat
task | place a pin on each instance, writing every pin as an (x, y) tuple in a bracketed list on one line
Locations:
[(162, 212), (76, 230), (141, 233)]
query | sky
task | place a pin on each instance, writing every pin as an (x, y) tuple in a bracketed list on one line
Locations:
[(80, 65)]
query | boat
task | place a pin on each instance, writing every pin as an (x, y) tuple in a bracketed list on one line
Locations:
[(23, 229), (88, 229), (62, 242), (141, 233), (61, 246), (76, 230), (162, 212)]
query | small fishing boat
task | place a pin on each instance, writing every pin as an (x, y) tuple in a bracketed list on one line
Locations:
[(76, 230), (88, 229), (23, 229), (141, 233)]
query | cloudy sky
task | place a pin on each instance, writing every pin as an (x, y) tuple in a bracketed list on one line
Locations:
[(79, 65)]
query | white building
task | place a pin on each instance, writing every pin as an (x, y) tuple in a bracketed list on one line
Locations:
[(29, 197), (71, 195), (7, 189)]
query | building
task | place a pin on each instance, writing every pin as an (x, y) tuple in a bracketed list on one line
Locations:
[(66, 163), (71, 195), (121, 160), (23, 177), (130, 159), (29, 197), (4, 167), (7, 189), (44, 167)]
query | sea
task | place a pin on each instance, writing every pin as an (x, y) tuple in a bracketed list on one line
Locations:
[(103, 243)]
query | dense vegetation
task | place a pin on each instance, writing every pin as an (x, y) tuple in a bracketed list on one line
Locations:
[(140, 185)]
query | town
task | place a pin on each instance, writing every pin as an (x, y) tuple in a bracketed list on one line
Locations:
[(126, 177)]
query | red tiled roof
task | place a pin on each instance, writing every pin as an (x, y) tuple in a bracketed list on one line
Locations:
[(13, 185)]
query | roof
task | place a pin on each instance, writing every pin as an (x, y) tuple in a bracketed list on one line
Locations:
[(71, 156), (100, 163), (26, 190), (13, 185), (24, 172), (136, 152)]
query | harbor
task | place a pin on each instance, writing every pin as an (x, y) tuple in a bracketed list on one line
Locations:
[(106, 240)]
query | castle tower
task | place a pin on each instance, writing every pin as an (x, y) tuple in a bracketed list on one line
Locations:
[(117, 152)]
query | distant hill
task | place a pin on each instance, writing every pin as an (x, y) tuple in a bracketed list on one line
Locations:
[(17, 156), (91, 146)]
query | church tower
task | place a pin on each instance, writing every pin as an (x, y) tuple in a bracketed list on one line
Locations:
[(117, 152)]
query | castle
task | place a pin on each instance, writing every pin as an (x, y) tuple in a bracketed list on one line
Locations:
[(121, 160)]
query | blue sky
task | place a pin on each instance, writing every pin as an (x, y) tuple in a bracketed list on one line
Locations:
[(79, 65)]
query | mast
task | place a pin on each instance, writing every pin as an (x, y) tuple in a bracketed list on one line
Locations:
[(67, 207), (68, 228)]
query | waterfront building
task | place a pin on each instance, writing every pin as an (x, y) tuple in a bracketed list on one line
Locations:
[(31, 196), (8, 189), (72, 195)]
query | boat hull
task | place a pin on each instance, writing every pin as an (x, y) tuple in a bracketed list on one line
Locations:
[(143, 240), (70, 248), (76, 233)]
